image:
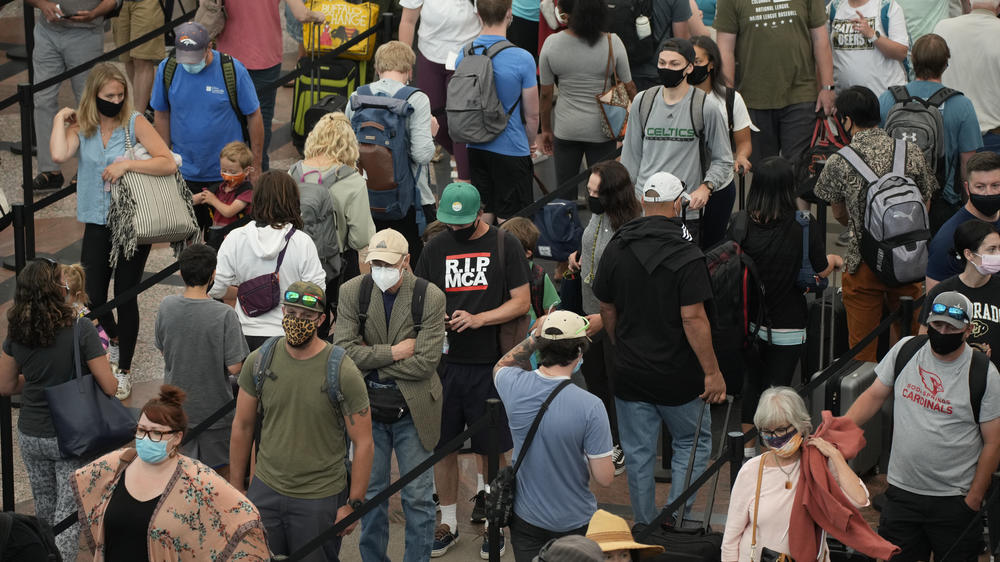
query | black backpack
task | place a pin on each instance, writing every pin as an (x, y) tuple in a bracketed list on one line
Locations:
[(620, 20), (25, 537), (979, 369)]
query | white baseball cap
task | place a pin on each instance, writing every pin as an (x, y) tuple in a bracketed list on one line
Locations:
[(666, 186)]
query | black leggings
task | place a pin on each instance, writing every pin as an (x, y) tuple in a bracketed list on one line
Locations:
[(598, 371), (776, 368), (568, 154), (94, 258)]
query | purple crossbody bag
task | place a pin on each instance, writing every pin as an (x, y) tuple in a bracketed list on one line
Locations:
[(261, 294)]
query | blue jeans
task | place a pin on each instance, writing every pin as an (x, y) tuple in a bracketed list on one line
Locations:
[(991, 143), (417, 496), (262, 78), (637, 423)]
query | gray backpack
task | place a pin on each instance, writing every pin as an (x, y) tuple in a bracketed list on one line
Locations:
[(895, 229), (920, 121), (475, 114)]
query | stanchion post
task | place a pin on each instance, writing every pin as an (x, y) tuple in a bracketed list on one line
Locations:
[(735, 445), (29, 46), (905, 316), (493, 406), (6, 421), (19, 256), (27, 118)]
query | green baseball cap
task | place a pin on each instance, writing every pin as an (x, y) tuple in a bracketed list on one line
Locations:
[(459, 204), (304, 294)]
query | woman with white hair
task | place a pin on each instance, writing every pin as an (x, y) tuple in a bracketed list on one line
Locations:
[(760, 507)]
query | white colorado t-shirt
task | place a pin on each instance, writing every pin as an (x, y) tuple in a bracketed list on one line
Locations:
[(856, 62)]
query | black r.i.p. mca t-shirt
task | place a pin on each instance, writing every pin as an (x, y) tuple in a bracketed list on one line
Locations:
[(474, 279)]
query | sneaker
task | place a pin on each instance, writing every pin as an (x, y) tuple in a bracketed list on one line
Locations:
[(113, 353), (124, 384), (618, 458), (479, 509), (484, 551), (843, 238), (443, 540), (47, 181)]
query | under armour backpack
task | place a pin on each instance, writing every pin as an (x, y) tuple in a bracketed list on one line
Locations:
[(920, 121), (380, 123), (895, 229), (475, 114)]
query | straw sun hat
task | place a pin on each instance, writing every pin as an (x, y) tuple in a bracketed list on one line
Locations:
[(611, 533)]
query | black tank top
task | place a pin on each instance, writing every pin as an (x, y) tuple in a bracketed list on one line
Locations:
[(126, 526)]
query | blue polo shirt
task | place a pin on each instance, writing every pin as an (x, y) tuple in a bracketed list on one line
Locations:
[(513, 71), (201, 119), (961, 129)]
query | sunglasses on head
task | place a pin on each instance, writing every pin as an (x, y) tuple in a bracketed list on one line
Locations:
[(294, 297), (49, 261), (952, 311)]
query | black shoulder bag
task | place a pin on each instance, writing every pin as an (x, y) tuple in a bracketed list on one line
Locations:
[(501, 490)]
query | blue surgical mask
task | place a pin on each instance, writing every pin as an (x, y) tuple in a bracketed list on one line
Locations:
[(194, 68), (576, 369), (150, 451)]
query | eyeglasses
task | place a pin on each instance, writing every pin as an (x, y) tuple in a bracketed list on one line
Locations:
[(154, 435), (952, 311), (777, 432), (293, 297)]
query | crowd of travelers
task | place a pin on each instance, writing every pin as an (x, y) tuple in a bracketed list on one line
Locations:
[(386, 327)]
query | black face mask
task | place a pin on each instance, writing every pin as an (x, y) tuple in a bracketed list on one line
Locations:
[(109, 108), (943, 344), (465, 234), (595, 205), (985, 204), (669, 77), (698, 75)]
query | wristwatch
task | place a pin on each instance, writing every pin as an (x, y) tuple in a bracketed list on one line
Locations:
[(874, 38), (355, 504), (710, 186), (828, 87)]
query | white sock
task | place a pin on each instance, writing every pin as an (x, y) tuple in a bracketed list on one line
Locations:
[(480, 483), (749, 452), (449, 517)]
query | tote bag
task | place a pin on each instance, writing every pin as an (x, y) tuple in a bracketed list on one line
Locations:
[(613, 102), (87, 421)]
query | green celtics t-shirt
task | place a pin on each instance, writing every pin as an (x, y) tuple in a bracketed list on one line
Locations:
[(774, 48), (303, 443)]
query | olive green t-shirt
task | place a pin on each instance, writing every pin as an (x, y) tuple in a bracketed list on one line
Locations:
[(774, 48), (303, 444)]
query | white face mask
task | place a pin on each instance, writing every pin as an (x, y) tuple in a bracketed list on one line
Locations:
[(385, 277)]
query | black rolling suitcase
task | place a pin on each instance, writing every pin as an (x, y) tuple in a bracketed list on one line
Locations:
[(826, 324), (691, 540)]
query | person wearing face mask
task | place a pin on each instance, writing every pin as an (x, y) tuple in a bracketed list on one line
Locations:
[(662, 133), (766, 518), (575, 435), (135, 496), (653, 287), (376, 319), (977, 245), (484, 275), (300, 482), (96, 133), (394, 64), (231, 199), (198, 112), (983, 189), (845, 189), (946, 437)]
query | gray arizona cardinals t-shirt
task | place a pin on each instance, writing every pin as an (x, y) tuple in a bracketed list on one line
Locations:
[(935, 443)]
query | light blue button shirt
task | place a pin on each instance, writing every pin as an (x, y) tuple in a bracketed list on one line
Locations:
[(92, 201)]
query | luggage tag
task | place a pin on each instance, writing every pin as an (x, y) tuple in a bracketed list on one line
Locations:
[(449, 63)]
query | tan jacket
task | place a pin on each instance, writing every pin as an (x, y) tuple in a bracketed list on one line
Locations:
[(416, 376)]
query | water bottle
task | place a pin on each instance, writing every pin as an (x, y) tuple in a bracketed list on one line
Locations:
[(642, 29)]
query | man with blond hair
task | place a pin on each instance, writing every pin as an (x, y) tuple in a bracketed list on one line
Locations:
[(394, 66)]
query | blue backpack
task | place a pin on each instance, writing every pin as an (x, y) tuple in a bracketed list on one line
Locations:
[(559, 230), (379, 122)]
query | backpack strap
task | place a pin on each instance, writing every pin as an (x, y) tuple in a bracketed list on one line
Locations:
[(281, 255), (906, 353), (899, 158), (979, 369), (646, 106), (833, 12), (364, 301), (730, 106), (537, 289), (332, 384), (740, 226), (417, 303), (802, 217), (229, 76), (169, 68), (538, 421), (262, 368), (365, 90), (856, 162), (884, 13), (940, 96), (900, 94), (405, 92), (698, 124)]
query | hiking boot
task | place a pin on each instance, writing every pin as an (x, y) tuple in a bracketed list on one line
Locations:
[(47, 181), (484, 551), (444, 539), (479, 508), (618, 458), (124, 384)]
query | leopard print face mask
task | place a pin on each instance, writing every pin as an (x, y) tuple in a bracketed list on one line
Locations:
[(298, 331)]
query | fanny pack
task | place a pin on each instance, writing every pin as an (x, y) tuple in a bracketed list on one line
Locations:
[(262, 294), (386, 402)]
